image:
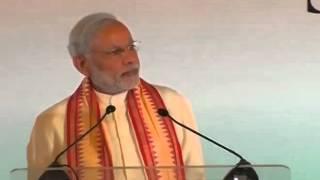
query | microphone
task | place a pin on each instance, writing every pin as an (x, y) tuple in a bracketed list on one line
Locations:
[(236, 173), (60, 174)]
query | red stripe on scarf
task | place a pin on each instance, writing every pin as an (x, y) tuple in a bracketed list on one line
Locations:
[(169, 125), (142, 138)]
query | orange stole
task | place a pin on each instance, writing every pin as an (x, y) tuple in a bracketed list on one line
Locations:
[(155, 135), (92, 150)]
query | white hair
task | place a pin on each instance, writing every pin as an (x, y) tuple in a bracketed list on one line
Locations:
[(82, 33)]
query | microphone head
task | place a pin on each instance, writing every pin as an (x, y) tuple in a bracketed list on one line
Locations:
[(110, 109), (242, 173), (163, 112)]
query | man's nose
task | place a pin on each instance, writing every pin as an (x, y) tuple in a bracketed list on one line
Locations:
[(129, 57)]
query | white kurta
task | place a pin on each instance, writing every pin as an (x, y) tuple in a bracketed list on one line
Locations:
[(48, 134)]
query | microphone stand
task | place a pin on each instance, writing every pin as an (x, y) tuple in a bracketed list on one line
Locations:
[(236, 173)]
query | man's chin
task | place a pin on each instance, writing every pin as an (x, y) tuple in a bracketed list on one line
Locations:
[(130, 83), (124, 84)]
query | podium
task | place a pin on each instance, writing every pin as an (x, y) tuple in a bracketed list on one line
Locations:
[(208, 172)]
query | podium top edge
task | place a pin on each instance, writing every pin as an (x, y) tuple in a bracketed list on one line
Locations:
[(189, 166)]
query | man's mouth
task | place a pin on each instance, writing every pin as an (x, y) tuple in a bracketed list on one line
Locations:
[(132, 72)]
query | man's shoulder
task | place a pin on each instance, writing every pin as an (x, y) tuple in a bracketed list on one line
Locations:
[(55, 111), (166, 91), (170, 94)]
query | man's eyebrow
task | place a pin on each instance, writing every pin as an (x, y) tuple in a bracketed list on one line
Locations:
[(117, 46)]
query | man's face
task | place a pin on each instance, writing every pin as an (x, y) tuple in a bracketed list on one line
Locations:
[(112, 61)]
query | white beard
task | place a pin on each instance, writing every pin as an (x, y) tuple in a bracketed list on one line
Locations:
[(113, 85)]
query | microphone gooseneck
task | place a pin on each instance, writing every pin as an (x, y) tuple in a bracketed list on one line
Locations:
[(109, 109), (60, 174), (165, 113), (235, 172)]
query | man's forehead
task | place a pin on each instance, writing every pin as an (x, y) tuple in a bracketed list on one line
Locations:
[(113, 27), (113, 35)]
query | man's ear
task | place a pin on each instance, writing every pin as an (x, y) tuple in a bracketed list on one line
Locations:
[(81, 64)]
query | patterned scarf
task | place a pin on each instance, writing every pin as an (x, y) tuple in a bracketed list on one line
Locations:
[(155, 135)]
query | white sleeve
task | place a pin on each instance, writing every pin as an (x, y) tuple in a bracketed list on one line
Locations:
[(191, 145), (39, 149), (46, 141)]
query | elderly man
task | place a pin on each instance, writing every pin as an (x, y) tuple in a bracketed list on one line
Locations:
[(103, 50)]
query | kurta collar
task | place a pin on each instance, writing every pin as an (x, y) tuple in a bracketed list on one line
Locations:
[(107, 99)]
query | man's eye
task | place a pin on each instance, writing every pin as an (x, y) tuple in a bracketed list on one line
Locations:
[(132, 47), (117, 51)]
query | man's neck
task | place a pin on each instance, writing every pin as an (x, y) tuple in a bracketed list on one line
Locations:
[(110, 91)]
